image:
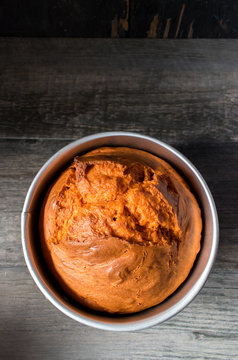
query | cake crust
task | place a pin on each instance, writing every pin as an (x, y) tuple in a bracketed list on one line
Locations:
[(120, 230)]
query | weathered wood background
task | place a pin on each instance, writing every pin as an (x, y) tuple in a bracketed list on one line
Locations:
[(182, 92), (120, 18)]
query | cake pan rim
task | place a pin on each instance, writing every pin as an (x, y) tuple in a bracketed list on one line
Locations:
[(150, 320)]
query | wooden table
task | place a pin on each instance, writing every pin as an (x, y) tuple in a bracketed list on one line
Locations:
[(185, 93)]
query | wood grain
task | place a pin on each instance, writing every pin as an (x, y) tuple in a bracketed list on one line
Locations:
[(63, 90), (53, 91)]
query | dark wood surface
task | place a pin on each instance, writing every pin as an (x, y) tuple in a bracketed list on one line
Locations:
[(185, 93), (120, 18)]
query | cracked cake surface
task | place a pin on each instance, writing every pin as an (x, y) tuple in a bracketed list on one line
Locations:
[(120, 230)]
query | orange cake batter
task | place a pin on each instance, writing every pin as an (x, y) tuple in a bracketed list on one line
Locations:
[(120, 230)]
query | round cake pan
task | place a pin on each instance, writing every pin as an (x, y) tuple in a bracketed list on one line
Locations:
[(31, 244)]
